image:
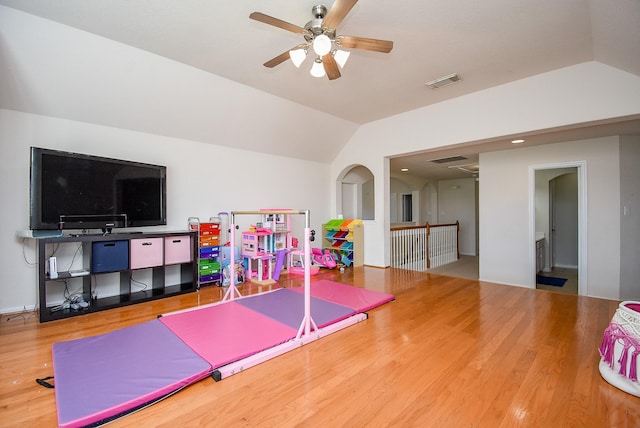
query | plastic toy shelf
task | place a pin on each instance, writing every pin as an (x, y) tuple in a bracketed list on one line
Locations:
[(345, 237)]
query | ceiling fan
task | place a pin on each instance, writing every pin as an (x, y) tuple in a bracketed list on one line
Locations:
[(320, 35)]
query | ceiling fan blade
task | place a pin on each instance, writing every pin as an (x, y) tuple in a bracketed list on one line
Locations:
[(330, 67), (375, 45), (277, 60), (261, 17), (283, 56), (338, 11)]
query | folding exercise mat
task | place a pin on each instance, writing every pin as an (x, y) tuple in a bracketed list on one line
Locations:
[(227, 332), (100, 378), (270, 304), (359, 299)]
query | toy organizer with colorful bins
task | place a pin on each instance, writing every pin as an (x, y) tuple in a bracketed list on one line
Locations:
[(344, 237), (265, 247), (209, 272)]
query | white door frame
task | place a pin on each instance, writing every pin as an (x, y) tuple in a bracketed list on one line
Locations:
[(582, 221)]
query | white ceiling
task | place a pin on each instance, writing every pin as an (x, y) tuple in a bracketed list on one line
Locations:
[(488, 43)]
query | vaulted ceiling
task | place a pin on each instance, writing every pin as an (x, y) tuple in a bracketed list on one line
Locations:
[(487, 43)]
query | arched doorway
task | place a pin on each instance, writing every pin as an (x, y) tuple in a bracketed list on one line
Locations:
[(355, 193)]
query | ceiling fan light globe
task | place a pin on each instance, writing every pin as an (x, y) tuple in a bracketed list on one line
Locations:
[(322, 45), (297, 56), (341, 57), (317, 70)]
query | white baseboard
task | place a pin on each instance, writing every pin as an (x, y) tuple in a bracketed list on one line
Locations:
[(14, 311), (566, 266)]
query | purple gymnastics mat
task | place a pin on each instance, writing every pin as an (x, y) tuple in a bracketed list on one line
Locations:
[(100, 378), (273, 305), (228, 332)]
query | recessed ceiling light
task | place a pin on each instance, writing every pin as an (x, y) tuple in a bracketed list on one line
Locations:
[(404, 169), (518, 141), (444, 81)]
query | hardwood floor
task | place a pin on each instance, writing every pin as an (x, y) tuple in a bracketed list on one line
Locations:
[(449, 352)]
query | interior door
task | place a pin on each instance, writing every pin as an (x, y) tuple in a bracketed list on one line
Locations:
[(564, 221), (552, 227)]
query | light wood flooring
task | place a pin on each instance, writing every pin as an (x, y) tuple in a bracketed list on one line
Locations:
[(467, 267), (448, 352)]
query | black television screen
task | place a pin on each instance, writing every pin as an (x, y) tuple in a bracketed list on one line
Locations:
[(78, 191)]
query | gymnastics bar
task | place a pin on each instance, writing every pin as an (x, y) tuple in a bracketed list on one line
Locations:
[(255, 359), (307, 323)]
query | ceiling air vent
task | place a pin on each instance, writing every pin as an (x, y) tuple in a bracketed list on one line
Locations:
[(449, 159), (470, 168), (444, 81)]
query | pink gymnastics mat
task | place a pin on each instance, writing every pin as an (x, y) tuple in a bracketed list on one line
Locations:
[(227, 332), (359, 299), (101, 378)]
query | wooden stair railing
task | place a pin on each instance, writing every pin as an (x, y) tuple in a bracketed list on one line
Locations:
[(424, 247)]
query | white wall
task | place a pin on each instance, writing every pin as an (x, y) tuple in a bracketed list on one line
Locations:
[(457, 202), (398, 188), (559, 98), (422, 191), (429, 203), (505, 244), (203, 179), (629, 218)]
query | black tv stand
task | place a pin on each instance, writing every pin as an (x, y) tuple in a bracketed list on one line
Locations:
[(105, 276)]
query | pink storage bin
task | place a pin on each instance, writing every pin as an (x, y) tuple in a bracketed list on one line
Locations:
[(177, 249), (146, 253)]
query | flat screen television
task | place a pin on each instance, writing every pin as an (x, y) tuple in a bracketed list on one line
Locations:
[(79, 191)]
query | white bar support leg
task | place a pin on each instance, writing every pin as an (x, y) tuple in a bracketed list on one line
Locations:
[(232, 292), (307, 321)]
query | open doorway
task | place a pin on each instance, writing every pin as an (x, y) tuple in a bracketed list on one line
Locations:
[(559, 227), (560, 270)]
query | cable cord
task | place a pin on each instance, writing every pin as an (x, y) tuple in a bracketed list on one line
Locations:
[(139, 284), (73, 259), (24, 254)]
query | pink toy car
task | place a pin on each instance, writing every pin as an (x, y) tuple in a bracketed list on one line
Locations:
[(323, 258)]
